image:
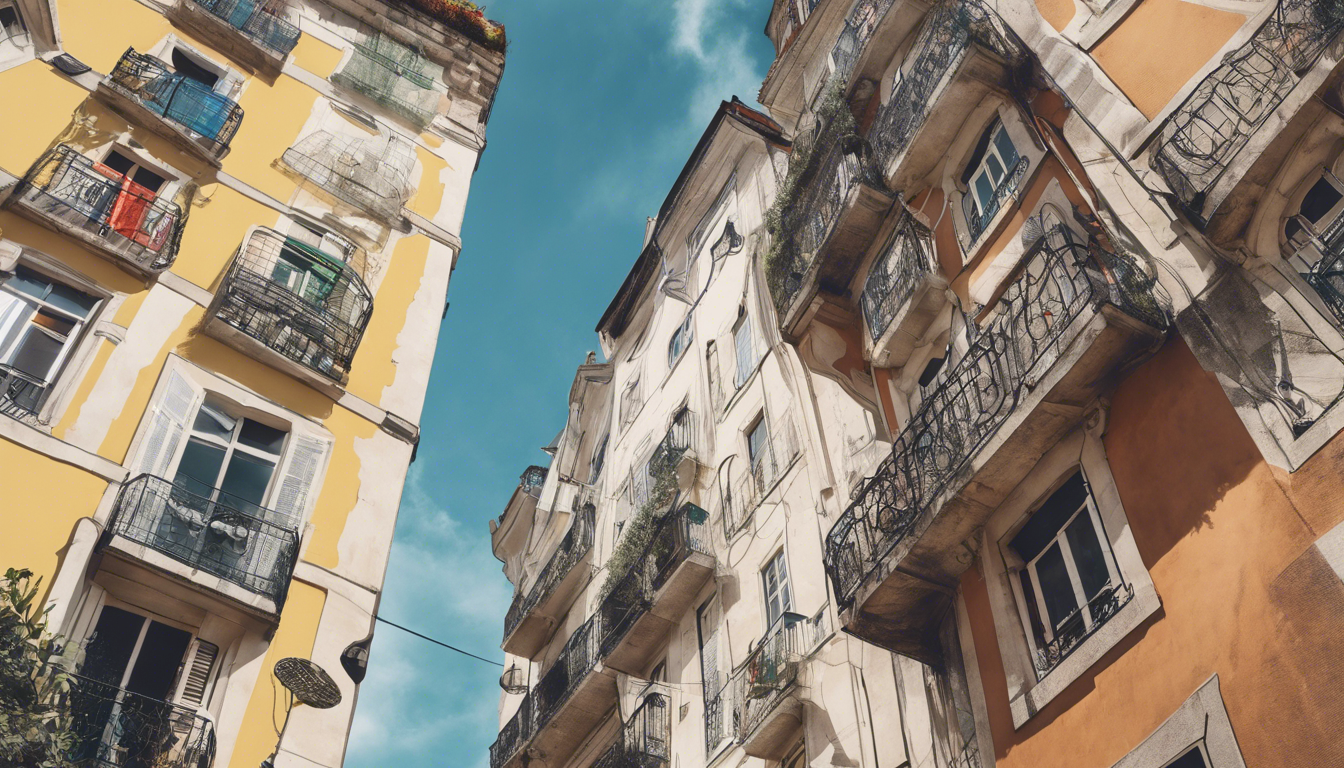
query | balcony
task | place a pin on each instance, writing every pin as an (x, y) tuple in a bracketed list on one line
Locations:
[(253, 32), (645, 606), (902, 293), (231, 546), (1208, 145), (115, 727), (178, 109), (394, 76), (372, 174), (1075, 320), (112, 216), (644, 741), (535, 613), (292, 306), (21, 395), (740, 496), (963, 51), (826, 229)]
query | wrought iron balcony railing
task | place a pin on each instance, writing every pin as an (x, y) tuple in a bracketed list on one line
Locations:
[(859, 26), (644, 739), (1080, 625), (393, 75), (1061, 280), (210, 118), (304, 304), (21, 395), (907, 257), (371, 174), (942, 44), (969, 756), (127, 219), (259, 20), (115, 727), (679, 439), (741, 495), (533, 480), (572, 549), (1203, 136), (210, 531), (1326, 274)]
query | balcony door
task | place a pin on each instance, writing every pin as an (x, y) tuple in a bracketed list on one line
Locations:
[(40, 322)]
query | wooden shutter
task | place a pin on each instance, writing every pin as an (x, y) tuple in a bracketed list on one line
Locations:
[(197, 675), (167, 423)]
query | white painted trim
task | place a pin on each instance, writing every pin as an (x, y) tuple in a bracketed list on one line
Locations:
[(1202, 717), (41, 442)]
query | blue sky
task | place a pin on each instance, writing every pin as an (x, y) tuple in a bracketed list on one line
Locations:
[(600, 107)]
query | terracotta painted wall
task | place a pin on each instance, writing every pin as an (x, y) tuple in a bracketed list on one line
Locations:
[(1228, 541)]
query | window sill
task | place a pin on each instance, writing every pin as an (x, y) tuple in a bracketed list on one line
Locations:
[(1025, 704)]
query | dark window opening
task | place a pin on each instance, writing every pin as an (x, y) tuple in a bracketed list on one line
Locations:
[(128, 167), (185, 65), (1192, 759)]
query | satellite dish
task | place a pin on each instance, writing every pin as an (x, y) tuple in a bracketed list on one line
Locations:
[(355, 659), (513, 681), (309, 683)]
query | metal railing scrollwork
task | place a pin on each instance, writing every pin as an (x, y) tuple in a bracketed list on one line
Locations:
[(907, 257), (259, 20), (21, 395), (191, 105), (739, 496), (572, 549), (1080, 625), (644, 739), (115, 727), (394, 75)]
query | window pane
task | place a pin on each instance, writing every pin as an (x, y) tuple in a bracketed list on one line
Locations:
[(210, 420), (1053, 579), (247, 479), (756, 441), (995, 168), (72, 301), (119, 162), (1006, 149), (199, 469), (1192, 759), (263, 438), (29, 282), (984, 190), (1088, 556), (745, 355), (36, 354)]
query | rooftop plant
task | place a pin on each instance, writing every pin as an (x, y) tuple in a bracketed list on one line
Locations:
[(465, 17)]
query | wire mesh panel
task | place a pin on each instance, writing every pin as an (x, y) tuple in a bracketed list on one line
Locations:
[(209, 117), (907, 257), (370, 174), (1062, 279), (395, 76), (132, 221), (1213, 124), (228, 537), (296, 300), (262, 21), (115, 727)]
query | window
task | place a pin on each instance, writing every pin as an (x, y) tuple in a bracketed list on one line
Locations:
[(13, 33), (758, 439), (322, 239), (186, 65), (599, 458), (630, 402), (746, 352), (228, 459), (990, 169), (1193, 759), (778, 596), (41, 320), (681, 339), (1070, 577), (133, 171)]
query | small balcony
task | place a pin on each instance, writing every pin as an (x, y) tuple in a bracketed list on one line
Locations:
[(253, 32), (660, 587), (902, 294), (109, 214), (21, 394), (645, 739), (826, 229), (292, 306), (115, 727), (178, 109), (394, 76), (1076, 318), (370, 174), (204, 536), (535, 613), (740, 496)]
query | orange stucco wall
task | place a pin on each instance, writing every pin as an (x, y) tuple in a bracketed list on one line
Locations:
[(1228, 541)]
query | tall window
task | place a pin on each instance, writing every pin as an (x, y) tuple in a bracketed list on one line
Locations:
[(229, 459), (40, 322), (1069, 568), (681, 339), (991, 167), (13, 34), (758, 445), (745, 349), (599, 458), (778, 595)]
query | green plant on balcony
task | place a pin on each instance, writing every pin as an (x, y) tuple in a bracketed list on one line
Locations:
[(36, 726), (638, 532)]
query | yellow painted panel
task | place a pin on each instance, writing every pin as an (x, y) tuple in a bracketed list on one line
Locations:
[(85, 387), (1058, 13), (214, 232), (294, 637), (340, 490), (98, 32), (429, 197), (42, 500), (73, 255), (34, 83), (272, 120), (372, 369), (316, 56), (1160, 46)]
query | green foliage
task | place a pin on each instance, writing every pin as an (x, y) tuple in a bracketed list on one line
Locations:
[(638, 532), (36, 727)]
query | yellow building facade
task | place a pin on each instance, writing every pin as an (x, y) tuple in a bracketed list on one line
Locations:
[(226, 236)]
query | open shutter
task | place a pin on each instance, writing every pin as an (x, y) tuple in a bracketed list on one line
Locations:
[(168, 421), (306, 458), (197, 675)]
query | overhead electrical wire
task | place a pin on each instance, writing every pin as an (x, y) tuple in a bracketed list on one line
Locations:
[(438, 642)]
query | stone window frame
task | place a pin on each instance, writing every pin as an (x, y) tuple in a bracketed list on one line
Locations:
[(19, 53), (1029, 692), (1202, 721)]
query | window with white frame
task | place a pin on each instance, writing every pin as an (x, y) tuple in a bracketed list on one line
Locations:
[(681, 339), (41, 322), (745, 349), (14, 36), (230, 459), (990, 169), (778, 595), (1070, 582)]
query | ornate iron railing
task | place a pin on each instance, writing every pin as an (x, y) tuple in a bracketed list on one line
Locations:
[(859, 26), (943, 41), (740, 496), (132, 222), (306, 305), (371, 174), (840, 160), (393, 75), (533, 480), (209, 530), (571, 550), (114, 727), (212, 118), (1080, 625), (21, 395), (644, 739), (1201, 138), (1061, 280), (259, 20), (1326, 274), (906, 258), (969, 756), (1008, 187), (679, 439)]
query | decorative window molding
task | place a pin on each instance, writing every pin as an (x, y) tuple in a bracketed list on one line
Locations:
[(1200, 723)]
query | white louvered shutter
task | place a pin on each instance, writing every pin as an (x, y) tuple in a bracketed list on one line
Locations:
[(306, 457), (198, 675), (167, 422)]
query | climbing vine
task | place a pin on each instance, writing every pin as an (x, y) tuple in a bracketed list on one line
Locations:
[(637, 535)]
